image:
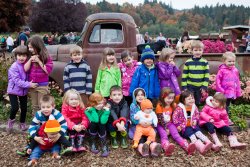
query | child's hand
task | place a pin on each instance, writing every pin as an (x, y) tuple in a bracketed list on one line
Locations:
[(29, 151), (211, 120), (39, 140), (194, 123), (172, 62), (33, 85), (107, 106), (179, 128)]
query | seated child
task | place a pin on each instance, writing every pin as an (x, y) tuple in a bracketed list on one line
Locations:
[(214, 117), (147, 118)]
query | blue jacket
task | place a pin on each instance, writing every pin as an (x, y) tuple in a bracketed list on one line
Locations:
[(148, 80)]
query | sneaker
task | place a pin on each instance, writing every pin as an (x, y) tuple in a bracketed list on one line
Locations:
[(10, 125), (32, 162), (23, 126)]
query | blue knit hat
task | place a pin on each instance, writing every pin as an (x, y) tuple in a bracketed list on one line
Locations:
[(147, 53)]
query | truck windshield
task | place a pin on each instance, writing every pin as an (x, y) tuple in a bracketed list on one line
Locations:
[(83, 32)]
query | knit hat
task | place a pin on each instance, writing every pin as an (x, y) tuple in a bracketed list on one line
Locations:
[(146, 104), (147, 53), (52, 126)]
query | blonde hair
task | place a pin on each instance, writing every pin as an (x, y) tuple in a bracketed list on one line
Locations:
[(75, 49), (197, 44), (94, 99), (107, 51), (221, 99), (226, 55), (165, 54), (72, 91)]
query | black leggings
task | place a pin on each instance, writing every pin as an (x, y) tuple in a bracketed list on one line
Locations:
[(95, 128), (15, 107), (224, 130)]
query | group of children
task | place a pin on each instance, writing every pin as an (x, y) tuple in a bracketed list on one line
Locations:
[(123, 104)]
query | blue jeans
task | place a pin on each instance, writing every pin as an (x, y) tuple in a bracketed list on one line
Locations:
[(37, 152), (189, 131)]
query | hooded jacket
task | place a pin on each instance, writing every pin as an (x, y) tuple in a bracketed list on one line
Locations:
[(219, 115), (18, 80), (228, 81), (168, 76)]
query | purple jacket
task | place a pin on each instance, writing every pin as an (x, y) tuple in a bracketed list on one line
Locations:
[(228, 81), (18, 80), (36, 73), (168, 76)]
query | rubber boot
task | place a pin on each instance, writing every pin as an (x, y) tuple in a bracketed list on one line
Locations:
[(189, 148), (201, 147), (23, 126), (168, 148), (155, 149), (92, 144), (10, 125), (208, 145), (104, 145), (234, 143), (114, 143), (73, 143), (143, 149), (80, 143), (217, 144), (124, 142)]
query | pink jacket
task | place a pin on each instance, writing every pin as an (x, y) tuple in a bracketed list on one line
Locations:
[(179, 116), (127, 74), (218, 114), (228, 82), (74, 116)]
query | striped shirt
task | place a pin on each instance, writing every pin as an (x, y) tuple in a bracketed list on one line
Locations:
[(40, 119), (78, 77), (195, 73)]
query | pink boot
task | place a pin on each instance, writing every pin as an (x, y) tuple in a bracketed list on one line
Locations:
[(201, 147), (143, 149), (23, 126), (208, 145), (155, 149), (234, 142), (216, 147), (189, 148), (168, 148)]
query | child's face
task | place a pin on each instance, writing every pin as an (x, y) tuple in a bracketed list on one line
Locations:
[(31, 49), (128, 61), (52, 135), (76, 57), (171, 58), (169, 99), (215, 103), (111, 59), (230, 61), (148, 110), (21, 58), (100, 105), (73, 100), (189, 101), (140, 96), (197, 52), (47, 108), (116, 96), (148, 62)]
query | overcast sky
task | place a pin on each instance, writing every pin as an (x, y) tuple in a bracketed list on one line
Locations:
[(182, 4)]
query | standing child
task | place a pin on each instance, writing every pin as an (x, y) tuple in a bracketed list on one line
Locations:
[(214, 117), (127, 66), (73, 112), (118, 118), (164, 110), (186, 118), (18, 88), (195, 74), (98, 115), (108, 73), (77, 74), (168, 72), (146, 75), (139, 95), (38, 67), (227, 79)]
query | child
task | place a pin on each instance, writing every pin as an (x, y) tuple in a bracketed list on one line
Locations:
[(118, 118), (146, 75), (127, 66), (77, 74), (73, 112), (18, 88), (50, 139), (38, 67), (98, 115), (164, 110), (108, 73), (146, 117), (214, 117), (186, 118), (227, 79), (139, 94), (195, 74), (168, 72)]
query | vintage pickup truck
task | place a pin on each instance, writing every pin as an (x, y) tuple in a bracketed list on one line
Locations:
[(118, 31)]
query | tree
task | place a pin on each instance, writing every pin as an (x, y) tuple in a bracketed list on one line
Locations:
[(58, 16), (13, 14)]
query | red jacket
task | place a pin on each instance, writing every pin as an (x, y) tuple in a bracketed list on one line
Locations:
[(74, 116), (218, 114), (48, 144)]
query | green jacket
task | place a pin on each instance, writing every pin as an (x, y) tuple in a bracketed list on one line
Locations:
[(106, 79), (97, 116)]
